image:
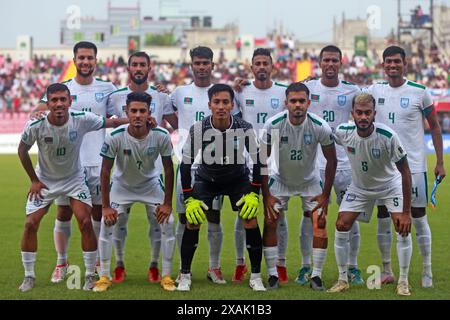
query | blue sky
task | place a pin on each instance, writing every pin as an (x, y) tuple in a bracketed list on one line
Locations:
[(310, 21)]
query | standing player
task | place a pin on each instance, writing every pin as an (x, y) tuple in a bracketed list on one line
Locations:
[(331, 99), (161, 109), (373, 148), (258, 101), (88, 94), (403, 105), (136, 149), (191, 103), (294, 136), (222, 170), (59, 173)]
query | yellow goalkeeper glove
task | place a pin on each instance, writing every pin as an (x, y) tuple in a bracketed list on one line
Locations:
[(250, 206), (194, 211)]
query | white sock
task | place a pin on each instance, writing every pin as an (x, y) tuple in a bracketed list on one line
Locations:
[(215, 236), (404, 253), (306, 239), (239, 240), (319, 256), (423, 238), (154, 235), (341, 250), (120, 232), (105, 249), (254, 276), (384, 238), (271, 256), (282, 234), (96, 225), (28, 261), (61, 235), (354, 239), (167, 246), (89, 258)]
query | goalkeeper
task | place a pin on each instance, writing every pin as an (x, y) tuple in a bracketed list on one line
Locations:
[(222, 140)]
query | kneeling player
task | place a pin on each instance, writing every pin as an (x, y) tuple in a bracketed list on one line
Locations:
[(294, 136), (136, 148), (222, 171), (373, 149)]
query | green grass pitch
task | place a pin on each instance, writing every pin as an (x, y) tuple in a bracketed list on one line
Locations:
[(14, 185)]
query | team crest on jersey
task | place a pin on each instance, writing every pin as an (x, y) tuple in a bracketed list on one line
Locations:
[(350, 197), (73, 136), (127, 152), (150, 151), (99, 96), (152, 107), (376, 153), (48, 140), (380, 101), (275, 103), (250, 103), (284, 140), (307, 138), (351, 150), (188, 100), (342, 100), (37, 202), (404, 103)]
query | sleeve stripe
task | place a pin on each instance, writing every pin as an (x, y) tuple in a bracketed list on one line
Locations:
[(105, 156)]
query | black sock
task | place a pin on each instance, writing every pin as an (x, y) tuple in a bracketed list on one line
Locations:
[(254, 247), (188, 246)]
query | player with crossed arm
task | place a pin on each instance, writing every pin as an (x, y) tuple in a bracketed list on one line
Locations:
[(59, 172), (403, 105), (161, 109), (331, 99), (294, 136), (257, 101), (136, 148), (373, 149), (191, 103), (88, 94), (222, 140)]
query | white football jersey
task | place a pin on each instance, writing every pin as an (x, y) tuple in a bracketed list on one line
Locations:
[(59, 146), (91, 98), (159, 107), (372, 158), (257, 106), (334, 105), (295, 147), (404, 109), (135, 160)]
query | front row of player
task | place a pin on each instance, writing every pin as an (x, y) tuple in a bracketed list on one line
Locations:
[(291, 139)]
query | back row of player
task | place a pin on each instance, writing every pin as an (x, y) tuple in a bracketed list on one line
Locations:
[(258, 101)]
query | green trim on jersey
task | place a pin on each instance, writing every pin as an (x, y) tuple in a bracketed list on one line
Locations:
[(402, 159), (383, 82), (75, 114), (105, 156), (348, 83), (161, 130), (104, 122), (271, 181), (281, 118), (384, 132), (120, 90), (101, 80), (117, 131), (161, 184), (281, 85), (67, 81), (314, 120), (426, 112), (153, 87), (36, 122), (426, 185), (413, 84), (343, 127)]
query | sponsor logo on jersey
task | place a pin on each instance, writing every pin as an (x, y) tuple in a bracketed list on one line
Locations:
[(127, 152), (376, 153), (351, 150), (73, 136), (275, 103), (307, 138), (153, 107), (315, 97), (350, 197), (342, 100), (150, 150), (250, 103), (188, 100), (105, 148), (48, 140), (380, 101), (404, 102), (99, 96), (284, 140)]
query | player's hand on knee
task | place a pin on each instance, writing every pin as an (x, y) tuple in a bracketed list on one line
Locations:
[(163, 213), (322, 203), (194, 211), (35, 190), (110, 216), (250, 204), (272, 206)]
